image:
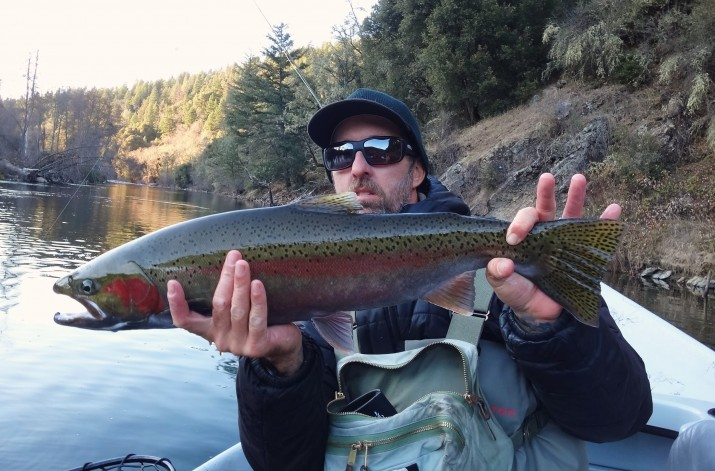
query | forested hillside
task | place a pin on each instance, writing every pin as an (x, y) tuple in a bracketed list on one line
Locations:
[(463, 66)]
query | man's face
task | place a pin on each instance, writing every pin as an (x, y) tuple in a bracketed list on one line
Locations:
[(380, 189)]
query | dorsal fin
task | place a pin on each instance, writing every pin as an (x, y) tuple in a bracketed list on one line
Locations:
[(337, 203)]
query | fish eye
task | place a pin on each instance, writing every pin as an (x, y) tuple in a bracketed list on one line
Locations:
[(88, 287)]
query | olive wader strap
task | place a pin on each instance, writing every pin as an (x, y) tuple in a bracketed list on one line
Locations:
[(469, 329), (482, 292)]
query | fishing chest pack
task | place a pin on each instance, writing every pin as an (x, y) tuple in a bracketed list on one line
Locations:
[(421, 409)]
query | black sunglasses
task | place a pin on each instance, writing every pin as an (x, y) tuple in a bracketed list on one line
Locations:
[(377, 150)]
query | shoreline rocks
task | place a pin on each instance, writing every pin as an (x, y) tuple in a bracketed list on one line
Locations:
[(700, 285)]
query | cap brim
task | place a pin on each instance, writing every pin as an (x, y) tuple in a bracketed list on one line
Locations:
[(324, 122)]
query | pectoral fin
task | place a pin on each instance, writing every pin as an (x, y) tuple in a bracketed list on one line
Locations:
[(337, 330), (457, 294)]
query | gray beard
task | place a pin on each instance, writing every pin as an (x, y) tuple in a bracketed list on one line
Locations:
[(386, 204)]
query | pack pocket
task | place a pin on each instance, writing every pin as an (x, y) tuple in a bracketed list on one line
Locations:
[(441, 421)]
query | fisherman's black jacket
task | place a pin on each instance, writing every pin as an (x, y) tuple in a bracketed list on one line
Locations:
[(590, 381)]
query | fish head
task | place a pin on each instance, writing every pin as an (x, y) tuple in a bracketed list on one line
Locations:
[(120, 298)]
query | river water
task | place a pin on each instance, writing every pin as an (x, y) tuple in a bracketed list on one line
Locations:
[(70, 396)]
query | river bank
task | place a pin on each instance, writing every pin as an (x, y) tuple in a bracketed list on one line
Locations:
[(631, 153)]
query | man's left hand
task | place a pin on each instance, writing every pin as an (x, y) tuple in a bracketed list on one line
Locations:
[(527, 301)]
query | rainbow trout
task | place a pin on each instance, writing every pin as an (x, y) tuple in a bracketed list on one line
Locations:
[(318, 260)]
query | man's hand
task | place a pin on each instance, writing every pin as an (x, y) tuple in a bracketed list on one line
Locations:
[(239, 321), (526, 300)]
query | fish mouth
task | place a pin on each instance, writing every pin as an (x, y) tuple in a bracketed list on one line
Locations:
[(77, 319), (87, 320), (96, 319), (92, 318)]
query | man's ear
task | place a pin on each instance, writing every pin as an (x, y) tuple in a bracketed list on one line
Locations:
[(418, 175)]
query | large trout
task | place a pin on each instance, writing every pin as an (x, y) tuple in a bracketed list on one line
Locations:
[(318, 260)]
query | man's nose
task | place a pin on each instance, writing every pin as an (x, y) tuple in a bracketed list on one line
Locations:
[(360, 165)]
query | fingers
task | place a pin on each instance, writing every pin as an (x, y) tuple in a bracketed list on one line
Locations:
[(544, 210), (522, 223), (512, 289), (576, 197), (231, 300), (240, 314), (257, 322), (545, 207), (239, 320), (524, 298), (546, 197), (499, 276), (223, 294), (240, 299), (177, 303), (232, 305), (613, 211), (498, 270), (182, 316)]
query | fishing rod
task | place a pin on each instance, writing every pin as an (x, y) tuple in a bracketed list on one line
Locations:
[(84, 180), (290, 59)]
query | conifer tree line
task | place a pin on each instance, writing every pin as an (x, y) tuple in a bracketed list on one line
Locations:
[(452, 61)]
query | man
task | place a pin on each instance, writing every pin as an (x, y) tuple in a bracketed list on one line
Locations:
[(589, 380)]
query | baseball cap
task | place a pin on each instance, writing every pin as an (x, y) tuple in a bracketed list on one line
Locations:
[(322, 125)]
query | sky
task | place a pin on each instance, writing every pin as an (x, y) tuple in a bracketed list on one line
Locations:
[(108, 43)]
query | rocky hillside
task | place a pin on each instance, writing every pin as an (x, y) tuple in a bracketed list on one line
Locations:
[(630, 147)]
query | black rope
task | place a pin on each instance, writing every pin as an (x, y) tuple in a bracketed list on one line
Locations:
[(119, 463)]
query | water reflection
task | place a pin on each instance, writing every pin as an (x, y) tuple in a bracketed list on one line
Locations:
[(105, 217), (78, 395), (688, 311)]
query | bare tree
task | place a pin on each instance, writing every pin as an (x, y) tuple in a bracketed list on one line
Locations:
[(30, 91)]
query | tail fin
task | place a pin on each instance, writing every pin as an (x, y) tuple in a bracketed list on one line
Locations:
[(569, 258)]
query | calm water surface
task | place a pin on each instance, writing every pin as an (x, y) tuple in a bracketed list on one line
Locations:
[(673, 302), (69, 396)]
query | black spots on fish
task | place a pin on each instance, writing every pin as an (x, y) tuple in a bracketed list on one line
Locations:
[(568, 259), (424, 243), (341, 232)]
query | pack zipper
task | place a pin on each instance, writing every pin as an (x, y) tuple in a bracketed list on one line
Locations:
[(433, 426), (471, 399)]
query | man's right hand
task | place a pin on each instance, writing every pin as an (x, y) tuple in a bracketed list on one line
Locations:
[(239, 321)]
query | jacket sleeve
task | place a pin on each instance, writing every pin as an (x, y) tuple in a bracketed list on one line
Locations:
[(283, 421), (590, 380)]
